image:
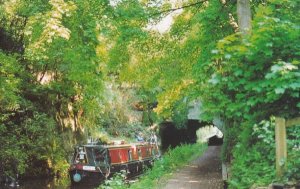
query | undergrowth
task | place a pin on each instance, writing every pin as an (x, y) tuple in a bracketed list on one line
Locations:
[(254, 159)]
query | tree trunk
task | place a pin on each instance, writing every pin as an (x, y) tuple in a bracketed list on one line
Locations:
[(244, 16)]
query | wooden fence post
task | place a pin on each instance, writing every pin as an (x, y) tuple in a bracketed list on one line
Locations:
[(281, 146)]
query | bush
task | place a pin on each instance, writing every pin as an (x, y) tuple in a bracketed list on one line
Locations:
[(115, 182), (257, 164)]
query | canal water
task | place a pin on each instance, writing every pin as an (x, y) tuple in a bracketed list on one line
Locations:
[(64, 183), (50, 184)]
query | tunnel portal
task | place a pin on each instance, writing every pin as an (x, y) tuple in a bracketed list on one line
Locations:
[(172, 136)]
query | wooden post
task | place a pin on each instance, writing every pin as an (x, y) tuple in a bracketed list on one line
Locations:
[(281, 146)]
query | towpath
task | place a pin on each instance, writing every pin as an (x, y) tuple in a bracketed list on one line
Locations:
[(202, 173)]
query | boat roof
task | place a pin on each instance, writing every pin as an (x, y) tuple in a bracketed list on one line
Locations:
[(114, 145)]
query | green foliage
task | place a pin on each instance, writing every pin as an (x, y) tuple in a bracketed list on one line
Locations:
[(56, 56), (9, 83), (29, 137), (293, 163), (254, 77), (115, 182), (250, 79), (169, 66), (65, 51), (62, 49), (128, 18), (257, 164), (258, 75), (52, 77)]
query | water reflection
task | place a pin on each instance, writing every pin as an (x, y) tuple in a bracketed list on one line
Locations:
[(51, 184)]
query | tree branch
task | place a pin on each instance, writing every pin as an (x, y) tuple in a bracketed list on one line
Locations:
[(174, 9), (43, 73)]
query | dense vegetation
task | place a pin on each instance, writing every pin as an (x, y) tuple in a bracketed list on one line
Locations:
[(259, 155), (61, 63)]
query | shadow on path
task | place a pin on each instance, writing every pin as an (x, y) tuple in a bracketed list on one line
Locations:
[(203, 173)]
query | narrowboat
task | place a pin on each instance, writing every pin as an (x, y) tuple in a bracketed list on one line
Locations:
[(98, 161)]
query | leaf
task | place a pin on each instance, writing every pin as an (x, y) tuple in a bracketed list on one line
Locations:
[(294, 85), (279, 90)]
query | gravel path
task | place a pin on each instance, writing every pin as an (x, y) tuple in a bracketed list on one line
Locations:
[(203, 173)]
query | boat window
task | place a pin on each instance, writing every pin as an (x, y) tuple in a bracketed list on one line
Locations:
[(80, 156), (139, 152), (153, 151), (89, 155), (129, 155), (99, 155)]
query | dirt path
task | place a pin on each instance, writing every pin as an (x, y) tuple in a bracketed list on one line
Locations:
[(203, 173)]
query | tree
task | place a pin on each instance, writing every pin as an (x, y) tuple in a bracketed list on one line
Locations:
[(244, 16)]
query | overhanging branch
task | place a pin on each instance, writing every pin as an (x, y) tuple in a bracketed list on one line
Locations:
[(185, 6)]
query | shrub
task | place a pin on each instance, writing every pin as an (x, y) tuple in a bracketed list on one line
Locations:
[(256, 165)]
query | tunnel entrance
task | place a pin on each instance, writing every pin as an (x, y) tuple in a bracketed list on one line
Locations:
[(172, 136), (203, 131), (215, 141)]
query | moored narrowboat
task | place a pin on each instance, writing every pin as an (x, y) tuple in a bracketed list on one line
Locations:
[(97, 161)]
